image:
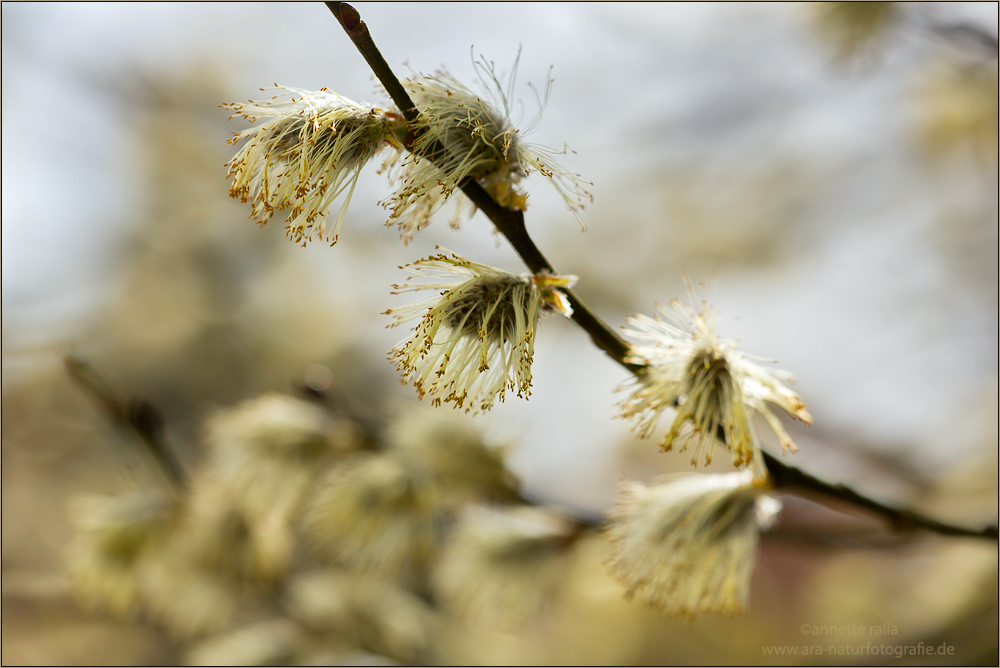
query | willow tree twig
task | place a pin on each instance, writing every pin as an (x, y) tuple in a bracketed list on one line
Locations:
[(510, 223), (135, 416), (792, 480)]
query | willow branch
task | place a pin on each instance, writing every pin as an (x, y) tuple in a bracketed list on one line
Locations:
[(135, 416), (791, 480), (510, 223), (356, 29)]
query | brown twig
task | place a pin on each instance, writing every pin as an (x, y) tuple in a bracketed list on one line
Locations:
[(509, 222), (511, 225), (791, 480), (135, 416)]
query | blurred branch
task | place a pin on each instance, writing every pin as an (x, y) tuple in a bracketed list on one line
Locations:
[(510, 224), (136, 416), (970, 33), (966, 33)]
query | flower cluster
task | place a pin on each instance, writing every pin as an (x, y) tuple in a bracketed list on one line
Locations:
[(307, 153), (503, 565), (190, 559), (460, 135), (374, 515), (300, 539), (311, 146), (476, 339), (712, 386), (689, 545)]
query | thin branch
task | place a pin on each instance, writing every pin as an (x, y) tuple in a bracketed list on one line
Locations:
[(135, 416), (510, 224), (356, 29), (787, 479), (968, 33)]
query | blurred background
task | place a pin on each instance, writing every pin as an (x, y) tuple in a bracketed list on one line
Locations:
[(829, 171)]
